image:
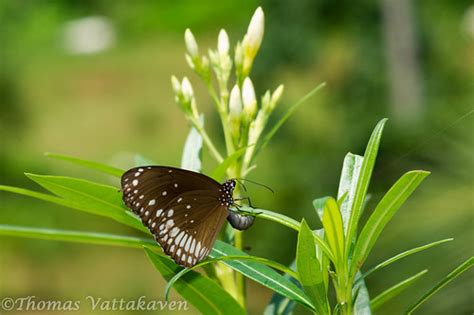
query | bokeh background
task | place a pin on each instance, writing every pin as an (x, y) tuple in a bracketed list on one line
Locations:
[(103, 93)]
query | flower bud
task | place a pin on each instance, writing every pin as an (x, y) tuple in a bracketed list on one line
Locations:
[(278, 93), (266, 99), (235, 102), (191, 44), (187, 89), (176, 85), (248, 98), (223, 43), (255, 31)]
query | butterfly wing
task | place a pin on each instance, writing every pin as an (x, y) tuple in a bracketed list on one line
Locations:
[(188, 226), (181, 208), (149, 185)]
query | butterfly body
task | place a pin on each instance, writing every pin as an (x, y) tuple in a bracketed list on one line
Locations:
[(184, 210)]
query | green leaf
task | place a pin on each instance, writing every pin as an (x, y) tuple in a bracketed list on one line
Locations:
[(361, 297), (261, 274), (191, 159), (76, 236), (285, 117), (205, 294), (119, 216), (309, 270), (97, 198), (363, 181), (279, 304), (347, 187), (219, 172), (89, 164), (402, 255), (261, 260), (395, 290), (384, 211), (333, 229), (288, 222), (450, 277), (348, 184), (318, 205)]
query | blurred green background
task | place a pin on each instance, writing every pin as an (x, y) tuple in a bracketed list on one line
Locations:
[(410, 61)]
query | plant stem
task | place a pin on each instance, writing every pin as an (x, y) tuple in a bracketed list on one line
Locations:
[(221, 109), (207, 140)]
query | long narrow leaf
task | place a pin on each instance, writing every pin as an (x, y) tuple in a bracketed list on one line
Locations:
[(395, 290), (76, 236), (288, 222), (402, 255), (205, 294), (348, 184), (384, 211), (191, 159), (450, 277), (279, 304), (119, 216), (347, 190), (89, 164), (333, 229), (261, 260), (363, 181), (261, 274), (309, 269)]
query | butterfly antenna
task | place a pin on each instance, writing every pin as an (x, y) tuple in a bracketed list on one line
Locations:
[(241, 184), (259, 184)]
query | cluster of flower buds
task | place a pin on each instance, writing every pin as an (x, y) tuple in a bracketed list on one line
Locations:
[(184, 96), (243, 118)]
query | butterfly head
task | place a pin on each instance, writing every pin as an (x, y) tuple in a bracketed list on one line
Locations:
[(227, 190)]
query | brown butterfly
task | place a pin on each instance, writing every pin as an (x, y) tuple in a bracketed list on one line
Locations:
[(184, 210)]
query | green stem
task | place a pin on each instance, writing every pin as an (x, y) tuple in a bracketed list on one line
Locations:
[(221, 109), (207, 140)]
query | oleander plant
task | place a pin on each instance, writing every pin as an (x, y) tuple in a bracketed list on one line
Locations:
[(328, 273)]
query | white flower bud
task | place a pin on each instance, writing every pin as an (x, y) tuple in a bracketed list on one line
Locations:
[(248, 97), (223, 43), (187, 89), (255, 30), (235, 102), (266, 99), (278, 93), (191, 44), (176, 85), (276, 96)]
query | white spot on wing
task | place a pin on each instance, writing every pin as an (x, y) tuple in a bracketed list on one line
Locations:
[(158, 213), (152, 202), (179, 199), (188, 207), (164, 193), (135, 182), (170, 213), (174, 231), (169, 223)]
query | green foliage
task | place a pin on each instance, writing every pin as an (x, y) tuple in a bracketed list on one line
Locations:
[(206, 295), (309, 269)]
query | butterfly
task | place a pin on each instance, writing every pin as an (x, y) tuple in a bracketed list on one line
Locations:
[(184, 210)]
